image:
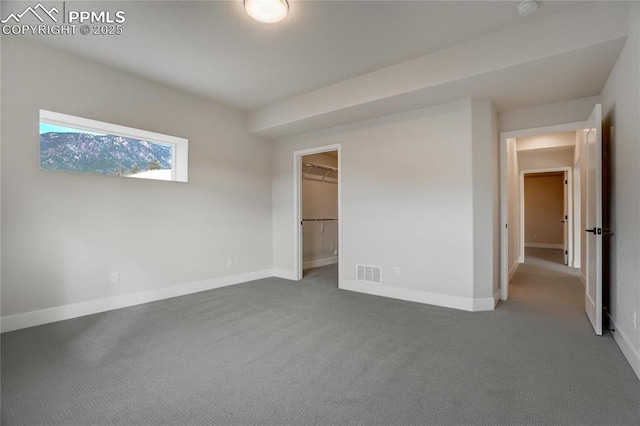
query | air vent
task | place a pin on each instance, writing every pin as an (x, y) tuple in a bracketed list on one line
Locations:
[(369, 274)]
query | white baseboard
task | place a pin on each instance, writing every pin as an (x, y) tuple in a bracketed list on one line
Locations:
[(496, 298), (320, 262), (284, 274), (484, 304), (447, 301), (544, 245), (513, 270), (59, 313), (630, 353)]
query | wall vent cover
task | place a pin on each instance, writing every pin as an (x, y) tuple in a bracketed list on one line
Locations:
[(369, 274)]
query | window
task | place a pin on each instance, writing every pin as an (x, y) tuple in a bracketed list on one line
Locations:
[(76, 144)]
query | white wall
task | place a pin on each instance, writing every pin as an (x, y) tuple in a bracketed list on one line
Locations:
[(550, 140), (574, 111), (545, 159), (63, 233), (407, 201), (497, 226), (486, 209), (621, 104), (320, 200)]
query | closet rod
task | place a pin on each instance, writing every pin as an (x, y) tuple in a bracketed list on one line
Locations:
[(320, 166), (317, 220)]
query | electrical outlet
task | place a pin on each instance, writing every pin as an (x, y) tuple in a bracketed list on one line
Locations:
[(398, 271), (331, 247), (229, 261), (115, 277)]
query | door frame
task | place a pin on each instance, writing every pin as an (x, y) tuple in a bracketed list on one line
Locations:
[(577, 218), (568, 197), (504, 201), (298, 263)]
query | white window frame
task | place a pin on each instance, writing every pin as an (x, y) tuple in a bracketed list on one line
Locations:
[(179, 146)]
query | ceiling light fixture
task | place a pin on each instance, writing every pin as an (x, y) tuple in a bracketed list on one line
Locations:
[(527, 7), (267, 11)]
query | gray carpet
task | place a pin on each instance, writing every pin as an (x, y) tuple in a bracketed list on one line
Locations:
[(276, 352), (548, 259)]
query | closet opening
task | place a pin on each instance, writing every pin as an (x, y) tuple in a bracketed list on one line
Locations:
[(317, 203), (319, 189)]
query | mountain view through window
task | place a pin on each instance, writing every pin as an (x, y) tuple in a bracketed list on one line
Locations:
[(77, 150)]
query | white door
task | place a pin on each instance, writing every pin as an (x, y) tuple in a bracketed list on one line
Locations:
[(593, 204)]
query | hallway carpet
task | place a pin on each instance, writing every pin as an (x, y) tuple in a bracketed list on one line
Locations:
[(276, 352)]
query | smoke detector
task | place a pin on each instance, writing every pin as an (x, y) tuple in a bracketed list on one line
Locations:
[(527, 7)]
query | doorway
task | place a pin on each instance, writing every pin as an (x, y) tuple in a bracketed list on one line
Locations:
[(319, 190), (530, 151), (546, 214), (588, 161), (317, 200)]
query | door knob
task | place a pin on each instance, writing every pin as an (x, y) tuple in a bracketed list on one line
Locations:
[(591, 230)]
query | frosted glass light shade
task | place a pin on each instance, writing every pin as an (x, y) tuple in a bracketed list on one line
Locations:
[(527, 7), (268, 11)]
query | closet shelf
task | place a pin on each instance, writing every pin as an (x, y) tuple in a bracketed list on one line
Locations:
[(321, 166), (319, 173)]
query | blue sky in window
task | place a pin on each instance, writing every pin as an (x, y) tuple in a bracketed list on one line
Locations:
[(52, 128)]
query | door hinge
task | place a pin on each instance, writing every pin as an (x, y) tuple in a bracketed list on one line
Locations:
[(566, 217), (566, 252), (566, 182)]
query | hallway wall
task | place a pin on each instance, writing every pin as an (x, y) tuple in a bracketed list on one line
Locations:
[(545, 158)]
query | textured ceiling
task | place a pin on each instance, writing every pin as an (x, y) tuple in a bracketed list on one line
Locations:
[(214, 49)]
